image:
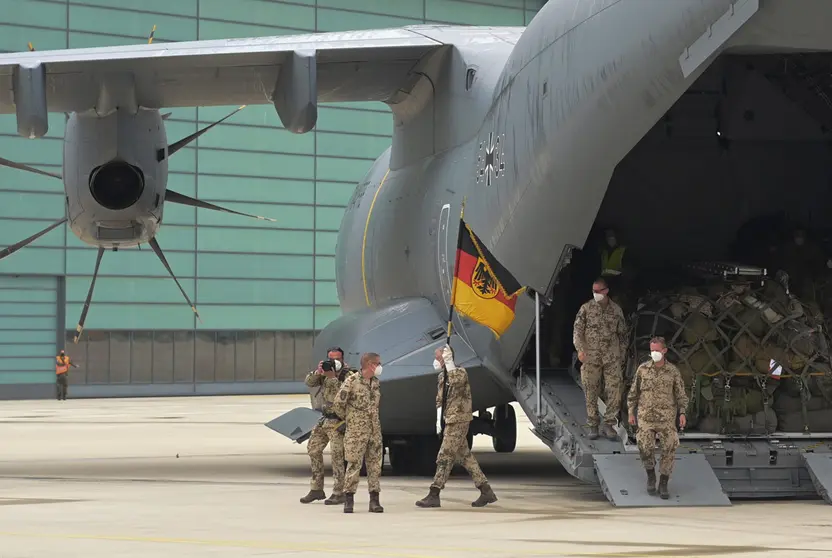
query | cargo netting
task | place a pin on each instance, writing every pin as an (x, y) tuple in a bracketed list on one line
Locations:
[(754, 358)]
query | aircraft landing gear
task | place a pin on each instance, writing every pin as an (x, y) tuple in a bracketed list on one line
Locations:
[(504, 438), (414, 455), (502, 427)]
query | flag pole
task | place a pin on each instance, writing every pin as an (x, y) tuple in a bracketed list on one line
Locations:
[(537, 345), (451, 315)]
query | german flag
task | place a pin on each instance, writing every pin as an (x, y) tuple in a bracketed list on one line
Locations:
[(483, 289)]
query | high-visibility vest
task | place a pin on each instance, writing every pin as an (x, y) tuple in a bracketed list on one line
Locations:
[(61, 365), (611, 264)]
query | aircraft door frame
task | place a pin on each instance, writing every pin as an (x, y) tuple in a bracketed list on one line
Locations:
[(442, 264)]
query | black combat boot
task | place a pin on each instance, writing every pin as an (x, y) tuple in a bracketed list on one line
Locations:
[(312, 496), (375, 506), (651, 481), (348, 502), (335, 499), (593, 432), (431, 500), (487, 496), (663, 492)]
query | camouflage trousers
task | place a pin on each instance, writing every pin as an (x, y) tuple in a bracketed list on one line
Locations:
[(322, 435), (668, 442), (455, 450), (363, 444), (606, 370)]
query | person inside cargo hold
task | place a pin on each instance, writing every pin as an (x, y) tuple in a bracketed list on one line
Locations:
[(612, 256), (803, 261), (657, 396), (600, 337), (616, 270)]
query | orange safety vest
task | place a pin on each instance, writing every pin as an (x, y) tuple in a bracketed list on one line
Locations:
[(61, 365)]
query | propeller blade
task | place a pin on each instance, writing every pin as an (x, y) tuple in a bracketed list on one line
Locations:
[(154, 244), (15, 247), (166, 115), (174, 147), (176, 197), (150, 38), (80, 327), (31, 47), (21, 166)]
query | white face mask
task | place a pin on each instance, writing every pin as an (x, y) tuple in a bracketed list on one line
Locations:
[(437, 365), (378, 371), (656, 355), (598, 297)]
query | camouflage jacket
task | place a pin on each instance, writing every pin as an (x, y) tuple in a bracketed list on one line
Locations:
[(358, 401), (600, 330), (458, 399), (324, 387), (658, 393)]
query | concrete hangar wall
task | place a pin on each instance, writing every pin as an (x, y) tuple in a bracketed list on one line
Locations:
[(263, 290)]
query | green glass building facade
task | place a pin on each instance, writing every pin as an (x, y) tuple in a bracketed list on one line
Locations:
[(262, 289)]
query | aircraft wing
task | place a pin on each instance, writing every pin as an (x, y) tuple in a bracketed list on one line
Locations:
[(368, 65)]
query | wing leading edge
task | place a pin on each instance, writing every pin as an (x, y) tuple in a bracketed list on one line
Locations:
[(292, 72)]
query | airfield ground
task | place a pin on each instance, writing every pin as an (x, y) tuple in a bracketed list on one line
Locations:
[(97, 478)]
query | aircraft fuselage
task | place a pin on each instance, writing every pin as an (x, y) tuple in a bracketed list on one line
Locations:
[(561, 108)]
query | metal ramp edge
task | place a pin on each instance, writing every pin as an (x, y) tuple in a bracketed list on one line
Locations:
[(820, 470), (561, 423), (693, 482)]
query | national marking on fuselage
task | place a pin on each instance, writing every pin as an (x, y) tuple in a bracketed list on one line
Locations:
[(491, 160)]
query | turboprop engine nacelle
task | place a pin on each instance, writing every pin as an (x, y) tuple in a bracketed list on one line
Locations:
[(114, 176)]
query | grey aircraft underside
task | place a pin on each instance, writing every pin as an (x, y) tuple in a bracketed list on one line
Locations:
[(528, 124)]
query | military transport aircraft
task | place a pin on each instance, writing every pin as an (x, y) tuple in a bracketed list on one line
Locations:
[(528, 123)]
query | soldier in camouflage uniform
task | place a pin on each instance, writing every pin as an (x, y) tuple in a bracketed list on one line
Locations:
[(657, 394), (357, 402), (457, 414), (329, 430), (600, 337)]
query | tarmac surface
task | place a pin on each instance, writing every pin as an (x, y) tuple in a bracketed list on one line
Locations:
[(203, 477)]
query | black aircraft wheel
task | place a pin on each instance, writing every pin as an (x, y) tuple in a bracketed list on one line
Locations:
[(505, 424), (425, 449), (399, 459), (417, 457)]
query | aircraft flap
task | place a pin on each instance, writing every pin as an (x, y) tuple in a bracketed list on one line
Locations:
[(693, 482), (297, 424), (820, 469)]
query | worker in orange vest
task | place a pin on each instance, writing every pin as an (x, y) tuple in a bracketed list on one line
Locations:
[(62, 364)]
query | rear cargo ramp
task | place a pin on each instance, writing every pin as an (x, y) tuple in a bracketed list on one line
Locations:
[(693, 482)]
